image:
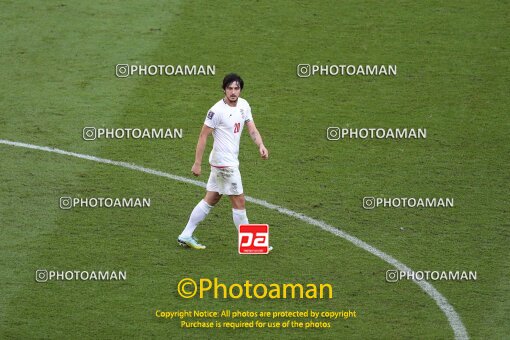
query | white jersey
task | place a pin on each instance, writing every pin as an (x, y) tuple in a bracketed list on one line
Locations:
[(228, 123)]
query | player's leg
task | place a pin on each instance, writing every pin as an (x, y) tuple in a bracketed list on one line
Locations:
[(238, 210), (236, 196), (212, 197), (199, 213), (233, 187)]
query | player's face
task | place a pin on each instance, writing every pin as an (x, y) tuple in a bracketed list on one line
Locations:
[(232, 92)]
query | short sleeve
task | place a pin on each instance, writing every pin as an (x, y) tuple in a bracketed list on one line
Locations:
[(247, 115), (211, 120)]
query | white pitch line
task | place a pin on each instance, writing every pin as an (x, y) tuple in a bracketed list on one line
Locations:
[(454, 320)]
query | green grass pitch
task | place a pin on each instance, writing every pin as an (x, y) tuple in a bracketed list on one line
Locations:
[(57, 77)]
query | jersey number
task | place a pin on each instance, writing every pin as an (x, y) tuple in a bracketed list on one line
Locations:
[(237, 127)]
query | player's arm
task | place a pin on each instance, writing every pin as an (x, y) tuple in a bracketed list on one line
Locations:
[(257, 139), (202, 141)]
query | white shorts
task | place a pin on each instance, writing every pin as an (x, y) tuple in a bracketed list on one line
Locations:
[(225, 181)]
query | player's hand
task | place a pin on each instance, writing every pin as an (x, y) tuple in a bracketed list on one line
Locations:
[(263, 152), (196, 169)]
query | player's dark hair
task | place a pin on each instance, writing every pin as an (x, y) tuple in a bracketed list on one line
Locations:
[(230, 78)]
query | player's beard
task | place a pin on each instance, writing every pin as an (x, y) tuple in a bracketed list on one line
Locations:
[(232, 99)]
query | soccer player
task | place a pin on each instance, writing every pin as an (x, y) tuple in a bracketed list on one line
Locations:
[(225, 120)]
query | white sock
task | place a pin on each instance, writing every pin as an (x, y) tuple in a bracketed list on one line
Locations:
[(197, 215), (239, 217)]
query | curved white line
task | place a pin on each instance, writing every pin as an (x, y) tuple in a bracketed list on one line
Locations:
[(453, 318)]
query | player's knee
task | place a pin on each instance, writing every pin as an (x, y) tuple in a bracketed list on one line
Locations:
[(238, 202), (212, 202), (212, 198)]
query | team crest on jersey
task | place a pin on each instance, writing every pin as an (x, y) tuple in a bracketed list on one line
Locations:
[(210, 114), (242, 113)]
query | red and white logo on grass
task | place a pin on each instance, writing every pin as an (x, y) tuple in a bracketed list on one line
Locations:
[(253, 239)]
